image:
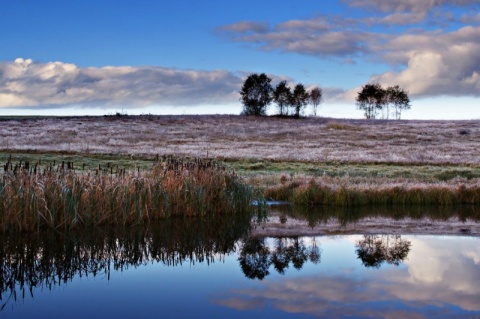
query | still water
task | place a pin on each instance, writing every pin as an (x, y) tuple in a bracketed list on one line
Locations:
[(217, 269)]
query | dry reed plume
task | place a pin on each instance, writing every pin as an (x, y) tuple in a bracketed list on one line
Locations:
[(61, 197)]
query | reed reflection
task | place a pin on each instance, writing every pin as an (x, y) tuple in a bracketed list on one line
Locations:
[(348, 215), (48, 259), (256, 256)]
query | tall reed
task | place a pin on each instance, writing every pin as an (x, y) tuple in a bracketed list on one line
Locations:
[(61, 197), (314, 193)]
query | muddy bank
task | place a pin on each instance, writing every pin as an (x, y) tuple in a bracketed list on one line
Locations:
[(276, 225)]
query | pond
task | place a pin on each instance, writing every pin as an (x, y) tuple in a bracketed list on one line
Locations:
[(221, 267)]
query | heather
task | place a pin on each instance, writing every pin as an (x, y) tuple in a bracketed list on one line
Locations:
[(311, 139)]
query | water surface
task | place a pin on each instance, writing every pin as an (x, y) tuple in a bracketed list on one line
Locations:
[(216, 268)]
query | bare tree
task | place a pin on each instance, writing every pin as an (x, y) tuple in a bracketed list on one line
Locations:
[(316, 97)]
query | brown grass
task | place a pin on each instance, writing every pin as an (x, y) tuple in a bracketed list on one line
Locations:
[(32, 197), (314, 192)]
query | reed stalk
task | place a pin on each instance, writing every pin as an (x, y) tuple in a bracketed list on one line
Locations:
[(63, 198)]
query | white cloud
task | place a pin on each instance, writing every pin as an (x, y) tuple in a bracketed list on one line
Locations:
[(425, 63), (470, 18), (245, 27), (318, 36), (407, 5), (24, 83), (436, 63)]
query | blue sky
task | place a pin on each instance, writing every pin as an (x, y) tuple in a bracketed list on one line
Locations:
[(100, 57)]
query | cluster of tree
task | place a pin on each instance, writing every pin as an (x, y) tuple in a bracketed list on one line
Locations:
[(374, 100), (257, 93), (256, 257), (374, 250)]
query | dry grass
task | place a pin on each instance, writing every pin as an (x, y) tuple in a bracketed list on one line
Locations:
[(342, 192), (238, 137), (60, 197)]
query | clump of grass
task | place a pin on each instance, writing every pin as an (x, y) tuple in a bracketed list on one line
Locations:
[(314, 193), (256, 166), (62, 197), (341, 126)]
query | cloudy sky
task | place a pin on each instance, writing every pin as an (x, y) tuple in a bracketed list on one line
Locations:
[(191, 56)]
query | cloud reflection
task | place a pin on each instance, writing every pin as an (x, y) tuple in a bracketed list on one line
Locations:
[(439, 279)]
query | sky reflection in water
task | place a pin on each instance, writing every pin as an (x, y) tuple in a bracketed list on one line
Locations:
[(432, 277), (439, 279)]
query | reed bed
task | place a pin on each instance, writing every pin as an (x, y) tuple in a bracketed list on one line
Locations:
[(62, 196), (313, 192)]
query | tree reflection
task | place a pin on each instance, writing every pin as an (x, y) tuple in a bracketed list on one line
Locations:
[(44, 260), (374, 250), (256, 257), (281, 256)]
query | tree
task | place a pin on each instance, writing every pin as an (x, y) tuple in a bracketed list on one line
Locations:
[(256, 94), (299, 99), (282, 95), (316, 97), (371, 99), (398, 98)]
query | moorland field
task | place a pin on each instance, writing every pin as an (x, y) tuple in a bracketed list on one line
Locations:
[(287, 159)]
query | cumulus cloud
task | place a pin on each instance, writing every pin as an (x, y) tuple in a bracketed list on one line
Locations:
[(425, 62), (24, 83), (436, 63)]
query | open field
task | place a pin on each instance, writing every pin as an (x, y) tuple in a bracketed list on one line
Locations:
[(237, 137), (278, 155)]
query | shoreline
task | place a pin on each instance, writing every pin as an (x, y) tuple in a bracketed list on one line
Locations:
[(366, 226)]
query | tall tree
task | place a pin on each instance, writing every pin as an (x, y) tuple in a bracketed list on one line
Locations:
[(316, 97), (371, 99), (299, 99), (256, 94), (398, 98), (282, 95)]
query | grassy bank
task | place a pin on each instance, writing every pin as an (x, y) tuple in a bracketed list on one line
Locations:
[(314, 192), (115, 188), (65, 195)]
